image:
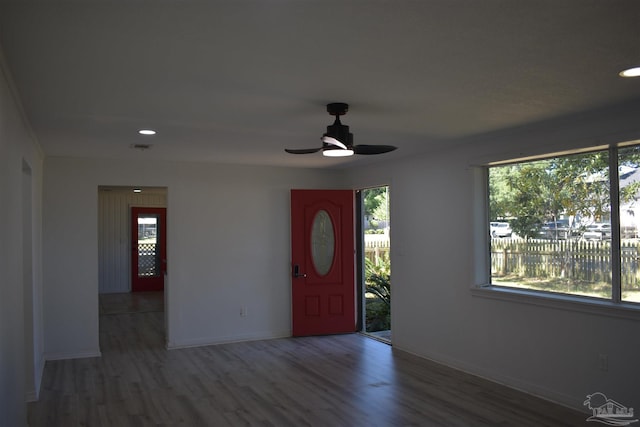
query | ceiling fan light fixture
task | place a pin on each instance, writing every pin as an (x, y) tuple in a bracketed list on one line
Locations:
[(337, 152), (630, 72)]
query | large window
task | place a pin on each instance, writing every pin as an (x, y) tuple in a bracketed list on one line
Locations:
[(568, 224)]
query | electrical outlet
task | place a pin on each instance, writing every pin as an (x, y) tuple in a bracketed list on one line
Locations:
[(603, 362), (243, 311)]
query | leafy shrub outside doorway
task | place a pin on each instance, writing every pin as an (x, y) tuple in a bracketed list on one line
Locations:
[(378, 294)]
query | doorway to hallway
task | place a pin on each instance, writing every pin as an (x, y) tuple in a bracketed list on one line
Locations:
[(116, 244), (115, 232)]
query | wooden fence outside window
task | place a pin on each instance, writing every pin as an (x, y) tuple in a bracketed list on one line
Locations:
[(588, 261)]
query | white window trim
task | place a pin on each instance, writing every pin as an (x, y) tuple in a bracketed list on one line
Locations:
[(565, 302)]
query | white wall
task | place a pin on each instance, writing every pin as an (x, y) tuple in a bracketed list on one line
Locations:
[(21, 333), (549, 351), (227, 239)]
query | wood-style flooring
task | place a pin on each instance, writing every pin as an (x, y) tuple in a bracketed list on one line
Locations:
[(344, 380), (136, 302)]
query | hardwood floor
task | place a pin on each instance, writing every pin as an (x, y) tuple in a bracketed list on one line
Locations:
[(138, 302), (343, 380)]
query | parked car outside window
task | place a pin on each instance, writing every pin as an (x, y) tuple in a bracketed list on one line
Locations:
[(555, 230), (598, 231), (500, 229)]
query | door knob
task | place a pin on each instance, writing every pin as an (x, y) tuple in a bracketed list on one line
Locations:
[(296, 272)]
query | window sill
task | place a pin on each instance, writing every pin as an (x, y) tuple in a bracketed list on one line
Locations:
[(622, 310)]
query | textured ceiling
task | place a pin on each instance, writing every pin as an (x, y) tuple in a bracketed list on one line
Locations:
[(238, 81)]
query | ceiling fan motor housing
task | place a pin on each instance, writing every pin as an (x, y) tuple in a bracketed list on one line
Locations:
[(340, 132), (337, 130)]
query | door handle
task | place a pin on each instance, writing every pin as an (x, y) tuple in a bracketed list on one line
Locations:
[(296, 272)]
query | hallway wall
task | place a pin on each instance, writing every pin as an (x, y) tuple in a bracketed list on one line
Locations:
[(21, 323)]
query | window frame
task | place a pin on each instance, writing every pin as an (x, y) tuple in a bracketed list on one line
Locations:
[(483, 288)]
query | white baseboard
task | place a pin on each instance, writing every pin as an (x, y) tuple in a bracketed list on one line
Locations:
[(75, 355), (34, 395), (205, 341)]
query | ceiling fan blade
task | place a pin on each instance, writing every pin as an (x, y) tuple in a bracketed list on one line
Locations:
[(373, 149), (331, 140), (302, 150)]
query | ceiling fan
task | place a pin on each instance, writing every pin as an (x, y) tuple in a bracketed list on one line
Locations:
[(338, 141)]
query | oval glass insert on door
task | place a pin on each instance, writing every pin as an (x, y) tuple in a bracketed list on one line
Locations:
[(322, 242)]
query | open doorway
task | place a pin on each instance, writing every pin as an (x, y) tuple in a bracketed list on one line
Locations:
[(375, 243), (126, 233)]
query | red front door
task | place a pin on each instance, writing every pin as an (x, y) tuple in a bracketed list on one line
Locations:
[(322, 262), (148, 249)]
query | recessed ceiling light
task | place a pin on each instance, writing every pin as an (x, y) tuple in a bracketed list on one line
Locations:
[(137, 190), (630, 72), (147, 132)]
